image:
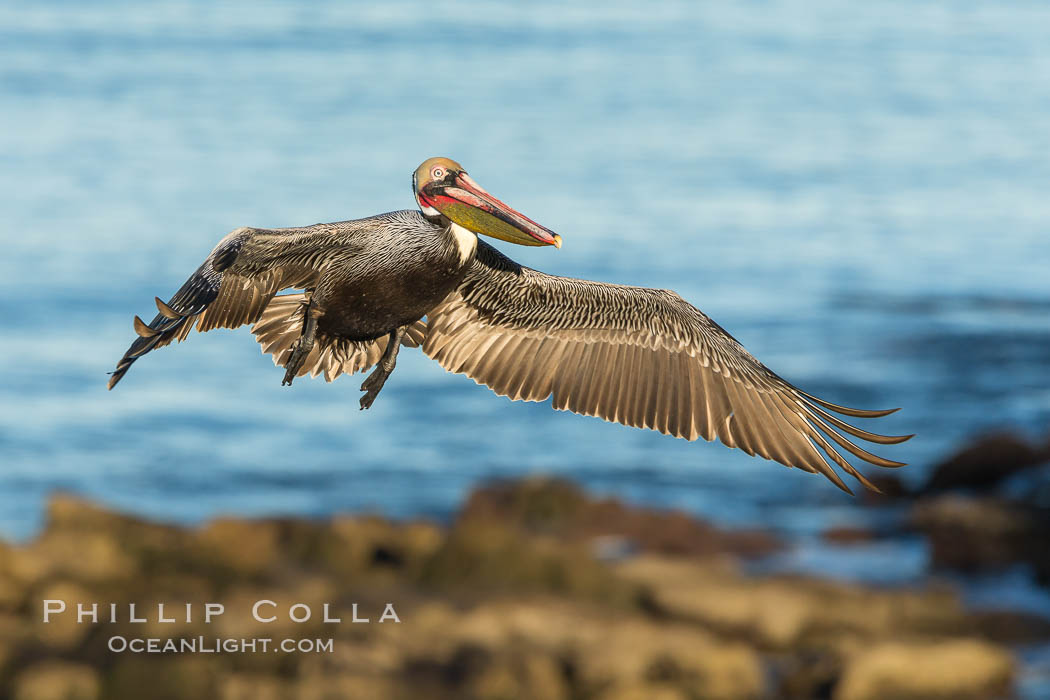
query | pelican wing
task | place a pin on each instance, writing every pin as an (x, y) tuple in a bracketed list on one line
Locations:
[(231, 287), (281, 324), (640, 357)]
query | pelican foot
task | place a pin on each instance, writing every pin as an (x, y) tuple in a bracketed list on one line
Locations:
[(375, 381), (303, 345), (295, 361), (373, 385)]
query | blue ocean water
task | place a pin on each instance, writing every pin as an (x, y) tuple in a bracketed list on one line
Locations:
[(857, 192)]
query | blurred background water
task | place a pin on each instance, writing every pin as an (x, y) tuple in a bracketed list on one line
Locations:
[(856, 192)]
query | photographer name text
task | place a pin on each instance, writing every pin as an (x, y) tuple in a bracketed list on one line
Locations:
[(263, 611)]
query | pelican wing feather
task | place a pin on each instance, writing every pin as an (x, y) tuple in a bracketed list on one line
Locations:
[(641, 357)]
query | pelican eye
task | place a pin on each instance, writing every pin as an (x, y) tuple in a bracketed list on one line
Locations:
[(437, 173)]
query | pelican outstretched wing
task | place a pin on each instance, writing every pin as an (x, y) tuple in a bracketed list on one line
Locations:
[(636, 356), (231, 287)]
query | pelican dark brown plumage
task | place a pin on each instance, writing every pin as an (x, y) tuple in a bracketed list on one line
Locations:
[(641, 357)]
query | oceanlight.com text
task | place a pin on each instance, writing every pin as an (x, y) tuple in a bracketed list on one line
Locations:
[(214, 645)]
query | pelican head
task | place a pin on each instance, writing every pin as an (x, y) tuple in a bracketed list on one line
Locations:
[(445, 191)]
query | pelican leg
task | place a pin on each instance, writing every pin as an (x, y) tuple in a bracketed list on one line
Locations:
[(375, 381), (303, 346)]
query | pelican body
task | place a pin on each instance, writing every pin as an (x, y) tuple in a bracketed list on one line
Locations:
[(641, 357)]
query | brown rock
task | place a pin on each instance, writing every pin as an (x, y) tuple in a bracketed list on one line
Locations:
[(313, 592), (62, 632), (644, 691), (509, 604), (243, 686), (559, 508), (57, 680), (957, 669), (187, 677), (527, 674), (69, 514), (808, 674), (12, 592), (674, 656), (548, 648), (83, 540), (66, 511), (85, 555), (986, 462), (1011, 626), (89, 553), (890, 488), (27, 564), (247, 547), (487, 557), (9, 650), (977, 534), (421, 540), (848, 535), (783, 612), (347, 687), (375, 546)]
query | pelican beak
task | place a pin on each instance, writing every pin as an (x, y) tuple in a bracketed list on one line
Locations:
[(462, 201)]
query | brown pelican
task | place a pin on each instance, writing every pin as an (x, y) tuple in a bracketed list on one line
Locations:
[(640, 357)]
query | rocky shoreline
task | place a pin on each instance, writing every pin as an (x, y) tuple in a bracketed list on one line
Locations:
[(535, 590)]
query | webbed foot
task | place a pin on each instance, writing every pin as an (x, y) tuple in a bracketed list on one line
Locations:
[(373, 385), (375, 381), (302, 347), (295, 361)]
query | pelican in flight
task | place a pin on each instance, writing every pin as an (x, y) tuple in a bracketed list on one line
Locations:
[(641, 357)]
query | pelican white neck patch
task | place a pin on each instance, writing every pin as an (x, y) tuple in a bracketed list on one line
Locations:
[(466, 241)]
